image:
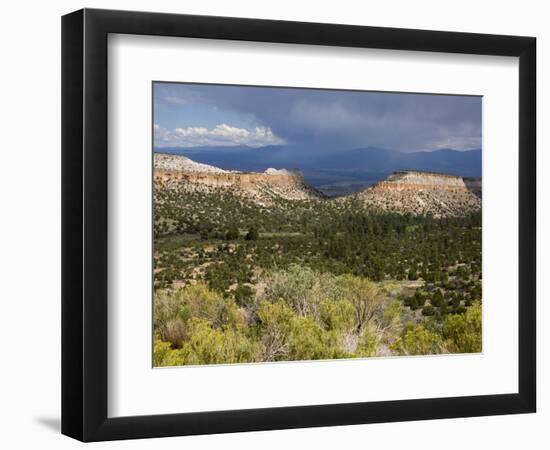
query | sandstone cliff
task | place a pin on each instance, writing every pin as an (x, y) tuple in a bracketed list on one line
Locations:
[(179, 172), (421, 193), (403, 192)]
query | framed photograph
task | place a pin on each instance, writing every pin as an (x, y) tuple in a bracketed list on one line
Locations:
[(273, 224)]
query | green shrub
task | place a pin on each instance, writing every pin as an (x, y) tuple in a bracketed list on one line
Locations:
[(302, 287), (309, 341), (244, 295), (174, 309), (413, 275), (437, 299), (337, 315), (207, 345), (276, 324), (368, 343), (164, 355), (287, 336), (463, 331), (232, 234), (252, 234), (365, 296), (391, 317), (428, 310), (417, 340)]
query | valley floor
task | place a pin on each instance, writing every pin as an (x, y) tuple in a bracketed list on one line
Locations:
[(305, 280)]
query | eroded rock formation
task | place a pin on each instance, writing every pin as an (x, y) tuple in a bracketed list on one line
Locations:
[(173, 171), (403, 192), (421, 193)]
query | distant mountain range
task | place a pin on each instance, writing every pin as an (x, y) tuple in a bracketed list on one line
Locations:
[(340, 171)]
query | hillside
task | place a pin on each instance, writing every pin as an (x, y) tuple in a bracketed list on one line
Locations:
[(340, 172), (181, 173), (200, 198), (261, 264), (421, 193), (183, 186)]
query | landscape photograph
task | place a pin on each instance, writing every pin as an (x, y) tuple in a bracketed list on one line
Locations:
[(300, 224)]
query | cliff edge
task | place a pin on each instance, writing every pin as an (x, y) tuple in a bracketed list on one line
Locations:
[(421, 193)]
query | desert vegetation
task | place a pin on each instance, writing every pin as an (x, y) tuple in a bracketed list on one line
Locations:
[(301, 315), (236, 281)]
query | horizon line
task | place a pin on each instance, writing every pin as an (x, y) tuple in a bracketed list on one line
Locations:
[(213, 147)]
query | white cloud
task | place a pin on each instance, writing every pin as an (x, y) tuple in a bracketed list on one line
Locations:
[(220, 135)]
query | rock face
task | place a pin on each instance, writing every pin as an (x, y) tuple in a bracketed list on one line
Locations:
[(403, 192), (413, 179), (421, 193), (172, 171), (177, 163)]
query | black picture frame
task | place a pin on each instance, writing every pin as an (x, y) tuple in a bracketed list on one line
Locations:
[(84, 224)]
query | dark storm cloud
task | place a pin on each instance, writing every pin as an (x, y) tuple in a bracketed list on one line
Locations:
[(329, 119)]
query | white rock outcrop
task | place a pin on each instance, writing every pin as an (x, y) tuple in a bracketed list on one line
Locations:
[(178, 162)]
